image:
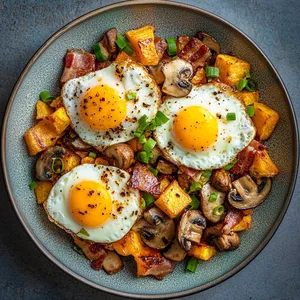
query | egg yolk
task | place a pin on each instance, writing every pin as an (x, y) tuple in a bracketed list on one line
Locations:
[(102, 108), (195, 128), (90, 203)]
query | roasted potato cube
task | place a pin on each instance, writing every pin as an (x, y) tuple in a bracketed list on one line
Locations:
[(42, 191), (249, 98), (203, 251), (232, 69), (58, 121), (142, 42), (265, 120), (245, 224), (57, 102), (199, 77), (173, 200), (164, 184), (88, 160), (123, 56), (101, 161), (262, 165), (71, 160), (43, 110)]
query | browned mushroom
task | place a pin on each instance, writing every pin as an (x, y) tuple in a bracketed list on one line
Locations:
[(211, 199), (73, 141), (174, 252), (190, 228), (157, 72), (157, 229), (108, 43), (165, 167), (220, 179), (178, 74), (122, 155), (156, 152), (246, 194), (112, 263)]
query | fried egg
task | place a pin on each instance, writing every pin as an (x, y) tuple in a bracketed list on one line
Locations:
[(198, 134), (94, 202), (98, 107)]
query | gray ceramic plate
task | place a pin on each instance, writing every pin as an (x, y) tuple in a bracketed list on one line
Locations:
[(43, 72)]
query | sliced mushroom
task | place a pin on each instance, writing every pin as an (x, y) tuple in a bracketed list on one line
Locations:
[(220, 179), (108, 42), (121, 154), (156, 152), (208, 204), (165, 167), (222, 241), (157, 229), (74, 142), (211, 43), (246, 194), (43, 168), (178, 74), (190, 228), (112, 263), (175, 252), (157, 72)]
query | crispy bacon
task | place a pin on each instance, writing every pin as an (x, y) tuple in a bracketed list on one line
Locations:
[(160, 46), (233, 217), (194, 174), (99, 65), (77, 63), (144, 180), (181, 42)]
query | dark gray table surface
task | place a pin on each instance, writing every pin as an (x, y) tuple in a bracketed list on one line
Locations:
[(26, 273)]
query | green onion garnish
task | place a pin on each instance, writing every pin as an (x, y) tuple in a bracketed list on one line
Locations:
[(153, 171), (131, 96), (33, 185), (143, 203), (46, 97), (99, 54), (241, 84), (149, 199), (219, 210), (142, 119), (143, 156), (122, 41), (229, 166), (172, 47), (205, 176), (231, 116), (251, 85), (82, 232), (250, 110), (195, 202), (77, 249), (247, 74), (60, 168), (128, 49), (149, 145), (162, 117), (192, 265), (195, 186), (92, 154), (213, 197), (142, 139), (212, 72)]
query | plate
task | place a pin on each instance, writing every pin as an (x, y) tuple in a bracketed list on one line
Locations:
[(43, 72)]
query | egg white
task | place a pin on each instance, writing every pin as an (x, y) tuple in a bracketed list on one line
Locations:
[(120, 222), (233, 136)]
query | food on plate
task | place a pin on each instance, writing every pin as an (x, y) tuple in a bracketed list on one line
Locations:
[(155, 149)]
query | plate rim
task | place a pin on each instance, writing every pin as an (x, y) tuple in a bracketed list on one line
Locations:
[(31, 234)]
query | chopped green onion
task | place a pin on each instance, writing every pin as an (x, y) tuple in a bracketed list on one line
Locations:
[(250, 110), (212, 72), (172, 47), (33, 185), (99, 54), (251, 85), (162, 117), (143, 203), (213, 197), (205, 176), (122, 41), (149, 199), (77, 249), (142, 119), (153, 171), (92, 154), (149, 145), (143, 156), (128, 49), (82, 233), (247, 74), (61, 168), (195, 186), (142, 139), (219, 210), (192, 265), (241, 84), (131, 96), (229, 166), (46, 97), (195, 202), (231, 116)]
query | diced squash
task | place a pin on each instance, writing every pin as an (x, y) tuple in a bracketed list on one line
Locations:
[(203, 251), (232, 69), (71, 160), (164, 184), (57, 102), (265, 120), (122, 56), (42, 191), (101, 161), (245, 224), (173, 200), (59, 120), (142, 42), (249, 98), (248, 211), (43, 110), (262, 165), (199, 77), (88, 160)]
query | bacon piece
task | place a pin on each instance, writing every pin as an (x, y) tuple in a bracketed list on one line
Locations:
[(233, 217), (194, 174), (144, 180), (160, 46), (200, 57), (77, 63), (181, 42), (99, 65)]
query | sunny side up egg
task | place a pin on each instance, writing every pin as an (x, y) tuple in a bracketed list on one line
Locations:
[(96, 198), (198, 134), (98, 107)]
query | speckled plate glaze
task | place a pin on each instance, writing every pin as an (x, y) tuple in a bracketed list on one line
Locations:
[(43, 72)]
